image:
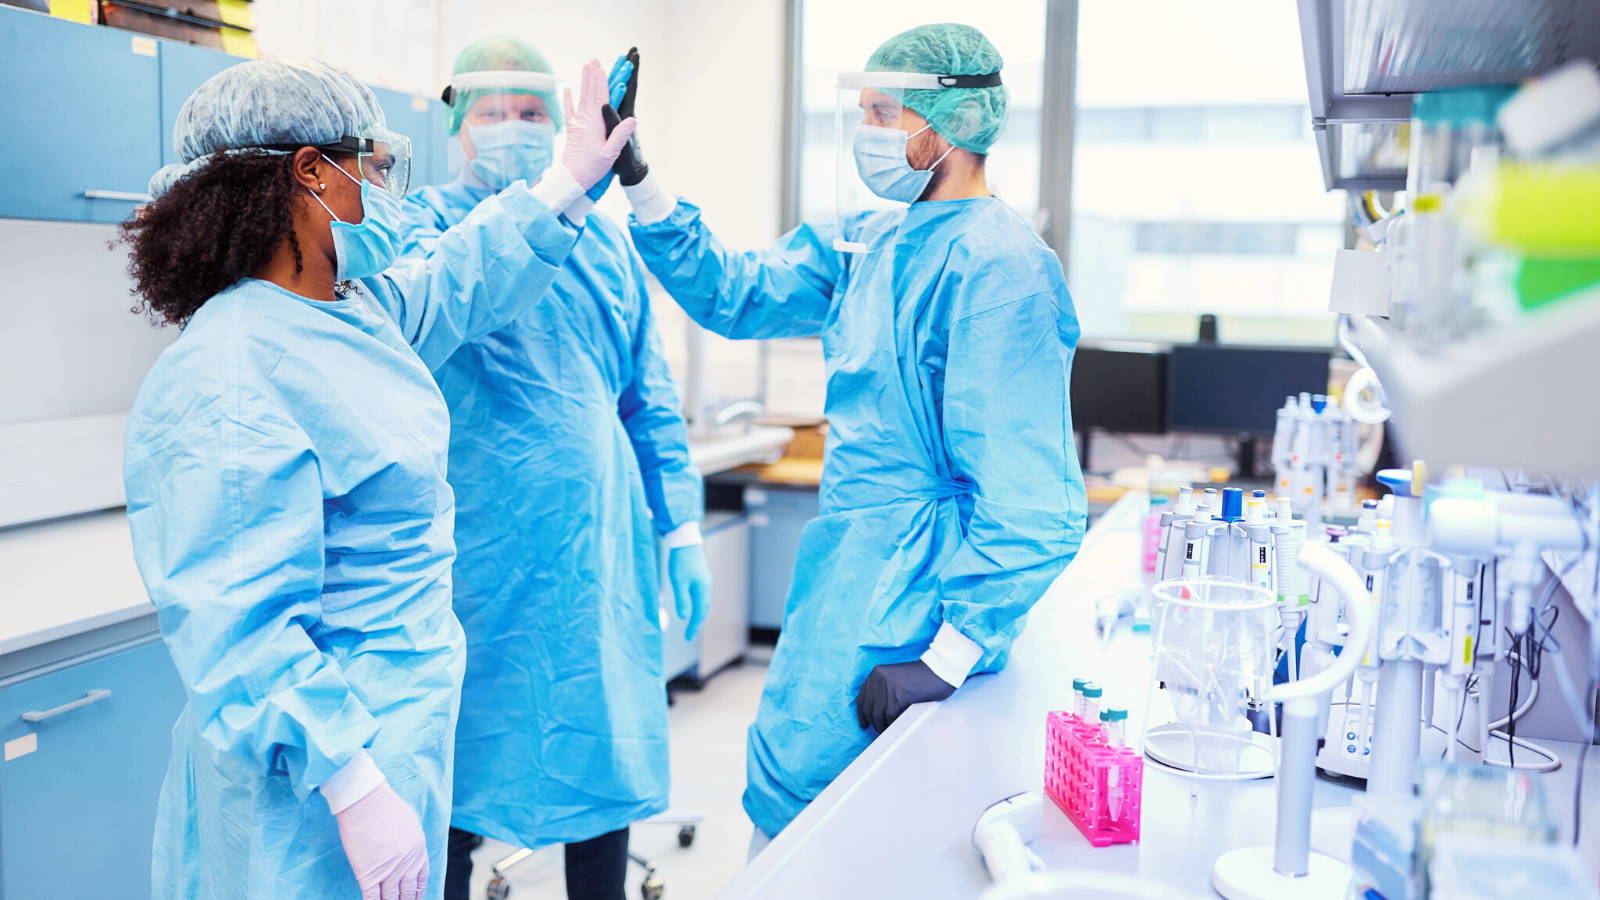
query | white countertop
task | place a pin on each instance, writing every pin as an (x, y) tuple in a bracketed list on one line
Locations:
[(719, 453), (898, 822), (67, 577)]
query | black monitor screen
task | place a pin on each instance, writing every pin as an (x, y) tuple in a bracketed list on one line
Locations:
[(1233, 389), (1120, 387)]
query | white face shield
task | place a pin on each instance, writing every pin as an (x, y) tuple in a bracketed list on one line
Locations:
[(872, 138)]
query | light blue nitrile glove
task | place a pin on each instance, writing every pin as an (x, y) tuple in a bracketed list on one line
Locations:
[(691, 586), (621, 71)]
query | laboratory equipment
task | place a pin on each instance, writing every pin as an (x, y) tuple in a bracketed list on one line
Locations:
[(1317, 454), (1093, 776), (1002, 835), (1466, 867), (1290, 868), (1214, 647)]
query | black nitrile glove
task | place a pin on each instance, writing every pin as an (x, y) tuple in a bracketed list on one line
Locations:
[(890, 690), (630, 165)]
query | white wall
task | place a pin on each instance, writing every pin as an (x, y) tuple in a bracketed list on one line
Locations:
[(710, 95), (710, 107)]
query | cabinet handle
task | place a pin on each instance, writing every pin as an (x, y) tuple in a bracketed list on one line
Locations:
[(129, 196), (39, 715)]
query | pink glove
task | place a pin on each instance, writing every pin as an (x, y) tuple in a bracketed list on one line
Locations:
[(589, 153), (383, 840)]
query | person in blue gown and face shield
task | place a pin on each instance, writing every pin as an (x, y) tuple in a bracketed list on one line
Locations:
[(285, 475), (951, 495), (570, 463)]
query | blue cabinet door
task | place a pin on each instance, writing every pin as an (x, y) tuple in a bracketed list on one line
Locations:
[(184, 67), (412, 116), (79, 128), (78, 787)]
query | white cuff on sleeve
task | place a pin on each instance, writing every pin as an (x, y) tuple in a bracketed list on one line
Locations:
[(579, 209), (650, 202), (557, 189), (685, 535), (358, 778), (952, 655)]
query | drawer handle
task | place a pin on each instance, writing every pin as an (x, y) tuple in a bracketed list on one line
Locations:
[(130, 196), (39, 715)]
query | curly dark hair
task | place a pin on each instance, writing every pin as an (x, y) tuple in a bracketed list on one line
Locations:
[(216, 225)]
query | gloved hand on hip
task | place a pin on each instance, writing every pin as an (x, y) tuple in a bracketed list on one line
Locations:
[(383, 840), (892, 689)]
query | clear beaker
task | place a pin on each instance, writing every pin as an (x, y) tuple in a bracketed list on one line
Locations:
[(1215, 640)]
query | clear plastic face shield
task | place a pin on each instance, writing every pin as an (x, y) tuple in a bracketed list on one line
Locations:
[(876, 152), (493, 98)]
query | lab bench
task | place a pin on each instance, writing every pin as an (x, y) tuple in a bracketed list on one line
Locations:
[(898, 822)]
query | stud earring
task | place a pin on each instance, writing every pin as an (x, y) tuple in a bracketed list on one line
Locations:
[(321, 186)]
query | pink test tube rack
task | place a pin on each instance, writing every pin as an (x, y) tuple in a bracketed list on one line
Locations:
[(1076, 760)]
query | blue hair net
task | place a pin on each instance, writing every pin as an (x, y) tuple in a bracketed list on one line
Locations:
[(970, 118)]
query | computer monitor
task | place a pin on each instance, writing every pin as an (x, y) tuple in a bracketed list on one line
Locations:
[(1235, 389), (1120, 386)]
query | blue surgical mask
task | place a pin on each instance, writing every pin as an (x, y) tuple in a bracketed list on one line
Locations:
[(511, 150), (881, 162), (370, 246)]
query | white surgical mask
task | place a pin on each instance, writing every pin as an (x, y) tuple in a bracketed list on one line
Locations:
[(881, 162)]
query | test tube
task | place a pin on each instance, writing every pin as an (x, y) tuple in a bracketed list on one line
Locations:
[(1114, 723), (1078, 684), (1091, 702)]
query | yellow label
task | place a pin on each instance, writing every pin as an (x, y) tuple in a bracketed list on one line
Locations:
[(236, 13), (1425, 203), (1466, 656), (419, 104), (239, 43), (142, 46), (76, 10)]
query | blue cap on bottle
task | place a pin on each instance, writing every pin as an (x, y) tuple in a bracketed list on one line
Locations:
[(1232, 505)]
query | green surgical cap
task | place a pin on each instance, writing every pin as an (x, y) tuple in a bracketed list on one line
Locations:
[(501, 54), (970, 118)]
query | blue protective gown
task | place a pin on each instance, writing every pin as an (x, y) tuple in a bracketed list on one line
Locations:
[(951, 490), (285, 472), (566, 439)]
